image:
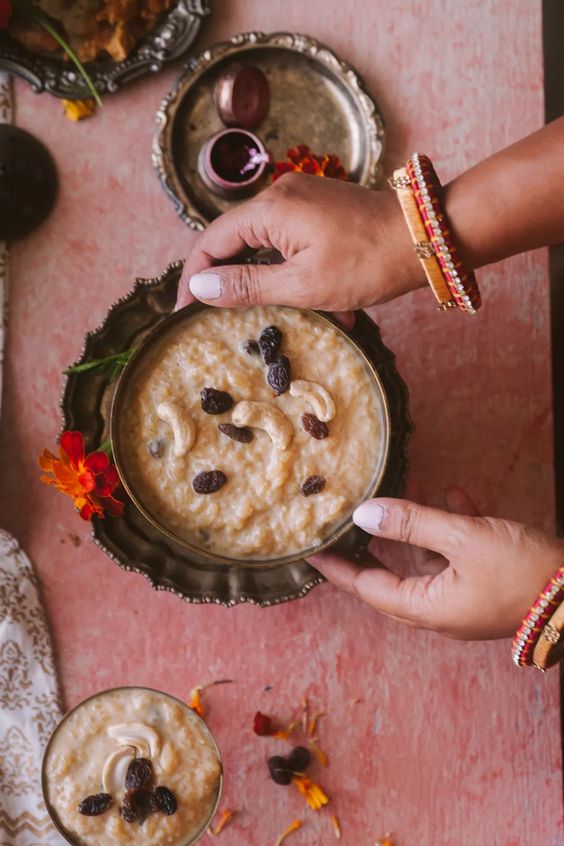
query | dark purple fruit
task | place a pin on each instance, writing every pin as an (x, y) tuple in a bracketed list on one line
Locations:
[(144, 801), (209, 481), (250, 347), (278, 376), (298, 759), (269, 343), (166, 800), (127, 811), (237, 433), (314, 427), (95, 805), (313, 485), (280, 772), (139, 774), (214, 401)]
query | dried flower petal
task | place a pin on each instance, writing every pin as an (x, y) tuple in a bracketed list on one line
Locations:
[(312, 792), (291, 828), (262, 725), (195, 702), (305, 714), (76, 110), (302, 160), (284, 734), (313, 723), (318, 752), (385, 841), (226, 816), (336, 826)]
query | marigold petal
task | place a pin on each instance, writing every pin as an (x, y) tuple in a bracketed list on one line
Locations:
[(78, 109), (72, 443), (262, 725), (88, 480), (196, 703), (110, 477), (113, 507), (86, 511), (297, 153), (97, 462), (46, 461), (294, 826)]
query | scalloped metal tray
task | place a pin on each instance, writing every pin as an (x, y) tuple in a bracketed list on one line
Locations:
[(300, 71), (132, 541), (173, 35)]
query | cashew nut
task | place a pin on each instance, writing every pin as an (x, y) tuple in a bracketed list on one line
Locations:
[(263, 415), (182, 425), (115, 768), (140, 735), (319, 399)]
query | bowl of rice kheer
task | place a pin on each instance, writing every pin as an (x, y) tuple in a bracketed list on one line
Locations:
[(250, 435)]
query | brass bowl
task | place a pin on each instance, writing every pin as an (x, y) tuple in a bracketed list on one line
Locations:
[(344, 531), (75, 840), (132, 541)]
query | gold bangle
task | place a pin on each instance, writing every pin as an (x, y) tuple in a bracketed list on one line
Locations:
[(550, 646), (424, 249)]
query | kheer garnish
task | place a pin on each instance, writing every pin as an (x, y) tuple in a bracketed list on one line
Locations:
[(209, 481), (182, 425), (336, 826), (115, 768), (140, 735), (156, 447), (166, 800), (215, 401), (265, 415), (95, 805), (269, 343), (278, 376), (313, 485), (291, 828), (250, 347), (236, 433), (312, 792), (315, 427), (139, 774), (89, 479), (317, 396)]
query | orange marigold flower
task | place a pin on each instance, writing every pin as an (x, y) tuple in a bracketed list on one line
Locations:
[(291, 828), (89, 479), (312, 792), (302, 160)]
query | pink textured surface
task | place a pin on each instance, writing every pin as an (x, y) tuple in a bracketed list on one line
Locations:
[(451, 744)]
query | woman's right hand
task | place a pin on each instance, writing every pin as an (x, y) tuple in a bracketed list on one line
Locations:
[(345, 248)]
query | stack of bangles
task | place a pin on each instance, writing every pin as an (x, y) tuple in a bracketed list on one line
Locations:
[(420, 195), (540, 637)]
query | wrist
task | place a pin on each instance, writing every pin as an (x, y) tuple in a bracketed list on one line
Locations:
[(397, 260)]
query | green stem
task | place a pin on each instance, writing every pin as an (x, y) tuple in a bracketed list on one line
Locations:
[(106, 447), (118, 359), (40, 18)]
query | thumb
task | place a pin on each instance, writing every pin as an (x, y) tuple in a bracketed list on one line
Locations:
[(412, 523), (243, 285)]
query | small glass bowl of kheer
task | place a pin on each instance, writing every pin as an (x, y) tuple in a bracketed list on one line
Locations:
[(132, 765), (250, 435)]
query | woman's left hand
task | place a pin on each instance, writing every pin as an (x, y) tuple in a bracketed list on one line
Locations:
[(463, 575)]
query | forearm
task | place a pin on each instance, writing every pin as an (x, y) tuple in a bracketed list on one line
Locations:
[(511, 202)]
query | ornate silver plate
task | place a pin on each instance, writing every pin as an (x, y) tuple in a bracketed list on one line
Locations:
[(137, 545), (172, 37), (301, 71)]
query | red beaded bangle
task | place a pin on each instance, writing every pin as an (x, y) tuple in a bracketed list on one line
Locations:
[(541, 611), (427, 191)]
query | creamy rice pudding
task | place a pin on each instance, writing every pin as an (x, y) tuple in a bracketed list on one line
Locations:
[(248, 452), (132, 766)]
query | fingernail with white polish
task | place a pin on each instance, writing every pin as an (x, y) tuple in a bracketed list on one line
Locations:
[(369, 517), (206, 286)]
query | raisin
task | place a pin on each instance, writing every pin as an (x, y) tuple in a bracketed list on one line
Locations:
[(298, 759), (313, 485), (166, 800), (94, 805), (269, 343), (250, 347), (214, 401), (127, 810), (278, 376), (280, 772), (139, 774), (238, 433), (209, 481), (314, 427), (143, 801), (156, 447)]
